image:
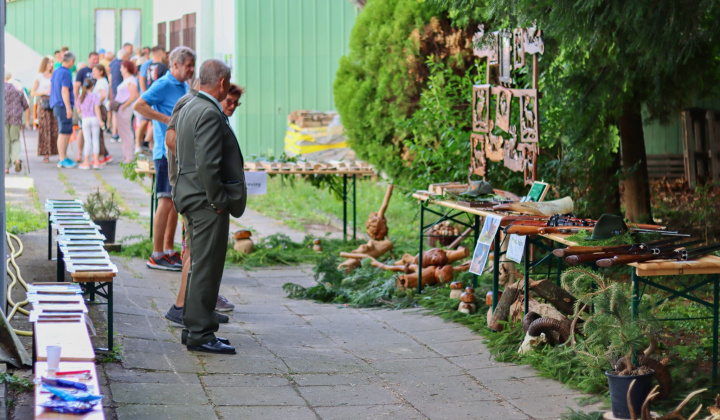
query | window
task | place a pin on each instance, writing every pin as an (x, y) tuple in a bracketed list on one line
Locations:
[(105, 29), (175, 34), (162, 35), (130, 27), (188, 28)]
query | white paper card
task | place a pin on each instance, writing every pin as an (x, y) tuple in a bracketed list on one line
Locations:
[(256, 183), (482, 248), (516, 248)]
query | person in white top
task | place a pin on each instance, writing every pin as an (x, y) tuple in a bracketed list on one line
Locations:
[(127, 93), (102, 87)]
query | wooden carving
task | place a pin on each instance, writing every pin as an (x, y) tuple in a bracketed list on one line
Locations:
[(529, 125), (486, 45), (518, 48), (530, 151), (513, 158), (481, 108), (478, 162), (503, 107), (505, 57), (533, 43), (494, 148)]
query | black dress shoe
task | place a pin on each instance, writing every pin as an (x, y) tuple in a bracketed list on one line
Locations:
[(214, 346), (225, 341), (222, 318)]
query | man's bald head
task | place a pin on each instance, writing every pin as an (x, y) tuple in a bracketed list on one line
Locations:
[(215, 78)]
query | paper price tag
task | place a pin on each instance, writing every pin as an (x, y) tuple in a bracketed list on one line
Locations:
[(516, 248), (256, 183)]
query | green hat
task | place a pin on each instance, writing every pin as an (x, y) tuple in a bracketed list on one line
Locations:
[(607, 226), (478, 188)]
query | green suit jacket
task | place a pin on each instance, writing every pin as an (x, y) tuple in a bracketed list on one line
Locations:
[(210, 163)]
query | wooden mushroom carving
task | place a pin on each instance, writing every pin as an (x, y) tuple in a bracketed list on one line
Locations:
[(376, 224), (456, 289), (467, 301), (243, 243)]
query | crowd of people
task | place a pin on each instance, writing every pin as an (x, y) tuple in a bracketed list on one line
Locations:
[(92, 100), (153, 98)]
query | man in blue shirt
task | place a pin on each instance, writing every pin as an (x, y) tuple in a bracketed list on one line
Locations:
[(61, 102), (157, 104)]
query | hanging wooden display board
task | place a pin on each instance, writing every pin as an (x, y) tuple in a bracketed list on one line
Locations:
[(495, 138)]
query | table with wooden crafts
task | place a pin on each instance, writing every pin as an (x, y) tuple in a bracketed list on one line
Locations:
[(641, 275), (643, 272)]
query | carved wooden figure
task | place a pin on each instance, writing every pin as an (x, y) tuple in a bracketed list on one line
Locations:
[(529, 126), (478, 162), (518, 48), (481, 108), (503, 108)]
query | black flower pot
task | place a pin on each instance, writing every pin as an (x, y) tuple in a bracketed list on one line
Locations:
[(618, 392), (107, 228)]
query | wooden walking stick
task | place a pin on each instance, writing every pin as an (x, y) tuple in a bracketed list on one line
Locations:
[(376, 224), (27, 160)]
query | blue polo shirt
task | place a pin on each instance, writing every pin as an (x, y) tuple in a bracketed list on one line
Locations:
[(162, 97), (61, 77)]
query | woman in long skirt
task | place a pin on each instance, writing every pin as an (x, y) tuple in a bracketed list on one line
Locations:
[(47, 124)]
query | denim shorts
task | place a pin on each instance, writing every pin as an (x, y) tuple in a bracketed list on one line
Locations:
[(162, 182), (65, 124)]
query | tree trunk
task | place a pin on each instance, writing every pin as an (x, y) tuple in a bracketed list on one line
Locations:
[(611, 192), (637, 187)]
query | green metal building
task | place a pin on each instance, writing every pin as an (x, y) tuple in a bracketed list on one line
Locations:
[(284, 52)]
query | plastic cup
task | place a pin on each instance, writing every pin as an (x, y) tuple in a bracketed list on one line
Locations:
[(53, 359)]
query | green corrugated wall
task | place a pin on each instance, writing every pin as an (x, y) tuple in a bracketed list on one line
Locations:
[(47, 25), (287, 54), (664, 139)]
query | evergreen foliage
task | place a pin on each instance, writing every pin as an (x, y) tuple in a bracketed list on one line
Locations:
[(403, 91)]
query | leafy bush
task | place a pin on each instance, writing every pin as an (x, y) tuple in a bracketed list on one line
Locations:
[(379, 83)]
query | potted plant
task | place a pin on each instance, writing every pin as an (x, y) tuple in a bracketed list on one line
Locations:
[(104, 211), (604, 307)]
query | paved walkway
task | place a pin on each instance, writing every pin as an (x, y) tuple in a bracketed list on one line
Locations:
[(296, 359)]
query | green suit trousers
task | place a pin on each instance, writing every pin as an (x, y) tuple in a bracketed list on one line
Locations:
[(208, 231)]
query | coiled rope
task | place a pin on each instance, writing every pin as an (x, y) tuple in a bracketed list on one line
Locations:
[(16, 277)]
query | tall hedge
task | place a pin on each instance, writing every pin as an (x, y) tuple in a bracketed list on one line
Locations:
[(380, 83)]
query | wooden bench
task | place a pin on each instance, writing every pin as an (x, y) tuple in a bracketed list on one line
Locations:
[(80, 251), (58, 318)]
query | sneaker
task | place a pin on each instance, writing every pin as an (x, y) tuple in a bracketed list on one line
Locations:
[(66, 163), (97, 165), (176, 259), (115, 138), (18, 166), (222, 319), (163, 263), (175, 315), (138, 150), (107, 159), (84, 166), (223, 305)]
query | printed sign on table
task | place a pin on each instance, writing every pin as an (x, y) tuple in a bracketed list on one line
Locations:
[(256, 183), (516, 248), (482, 248)]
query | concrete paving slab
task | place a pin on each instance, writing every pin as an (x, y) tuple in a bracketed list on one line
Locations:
[(252, 395), (165, 412), (325, 379), (116, 373), (242, 364), (287, 412), (225, 380), (369, 412), (158, 394), (160, 361), (345, 395)]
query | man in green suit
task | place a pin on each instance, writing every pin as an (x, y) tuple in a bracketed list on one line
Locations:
[(210, 188)]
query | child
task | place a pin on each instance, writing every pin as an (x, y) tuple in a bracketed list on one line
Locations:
[(90, 113)]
